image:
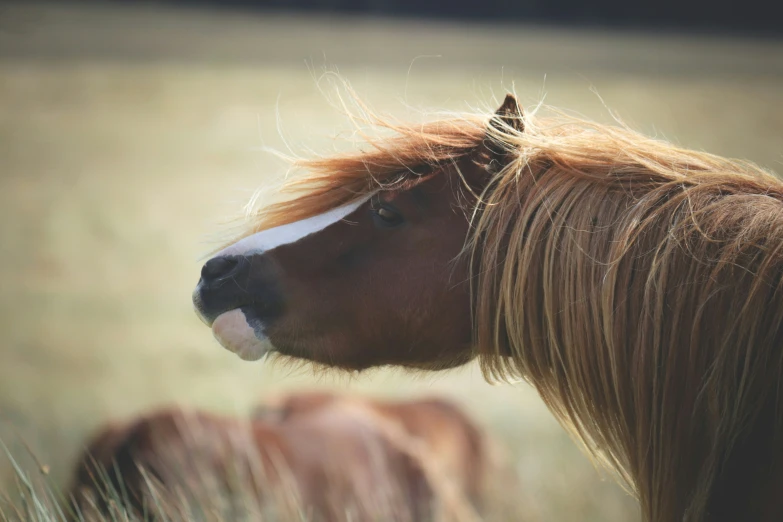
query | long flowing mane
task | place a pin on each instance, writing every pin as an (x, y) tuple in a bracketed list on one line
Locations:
[(635, 284)]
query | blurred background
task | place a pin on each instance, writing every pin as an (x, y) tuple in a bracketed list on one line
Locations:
[(130, 133)]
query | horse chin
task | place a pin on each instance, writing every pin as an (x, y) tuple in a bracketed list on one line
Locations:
[(233, 331)]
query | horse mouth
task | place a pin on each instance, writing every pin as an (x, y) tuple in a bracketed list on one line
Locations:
[(238, 330)]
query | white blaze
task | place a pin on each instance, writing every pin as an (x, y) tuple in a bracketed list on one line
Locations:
[(290, 233)]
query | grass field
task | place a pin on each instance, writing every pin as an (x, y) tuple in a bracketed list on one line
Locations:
[(129, 134)]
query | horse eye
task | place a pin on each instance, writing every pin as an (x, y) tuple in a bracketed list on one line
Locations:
[(387, 217)]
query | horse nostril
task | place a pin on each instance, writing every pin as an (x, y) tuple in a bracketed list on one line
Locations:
[(219, 268)]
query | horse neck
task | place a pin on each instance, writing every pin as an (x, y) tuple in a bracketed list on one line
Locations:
[(750, 487), (769, 499)]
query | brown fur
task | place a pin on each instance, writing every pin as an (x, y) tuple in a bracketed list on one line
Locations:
[(460, 451), (635, 284), (336, 461)]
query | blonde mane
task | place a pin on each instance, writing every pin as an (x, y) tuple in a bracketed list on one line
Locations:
[(635, 284)]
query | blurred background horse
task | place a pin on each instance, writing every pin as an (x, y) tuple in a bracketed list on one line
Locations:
[(334, 463)]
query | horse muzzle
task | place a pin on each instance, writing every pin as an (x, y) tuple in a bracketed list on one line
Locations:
[(231, 282)]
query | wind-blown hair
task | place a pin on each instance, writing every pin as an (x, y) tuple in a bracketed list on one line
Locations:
[(635, 284)]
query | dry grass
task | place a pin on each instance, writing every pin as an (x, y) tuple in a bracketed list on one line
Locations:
[(201, 496), (128, 134)]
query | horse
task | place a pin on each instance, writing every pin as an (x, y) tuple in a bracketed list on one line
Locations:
[(635, 284), (334, 464), (457, 448)]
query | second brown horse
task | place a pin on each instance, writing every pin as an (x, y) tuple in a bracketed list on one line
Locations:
[(336, 463)]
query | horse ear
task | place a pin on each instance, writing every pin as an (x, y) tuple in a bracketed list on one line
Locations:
[(492, 155), (509, 114)]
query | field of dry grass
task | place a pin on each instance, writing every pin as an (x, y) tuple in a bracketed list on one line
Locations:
[(128, 134)]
